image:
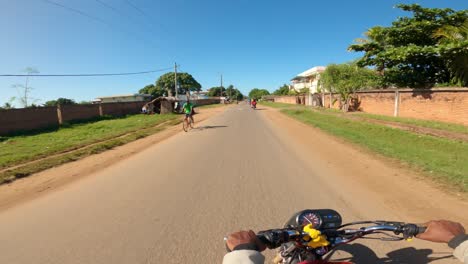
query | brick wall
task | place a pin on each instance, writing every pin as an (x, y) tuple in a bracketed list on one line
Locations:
[(380, 102), (121, 109), (79, 112), (439, 104), (301, 99), (14, 120), (335, 102), (448, 106)]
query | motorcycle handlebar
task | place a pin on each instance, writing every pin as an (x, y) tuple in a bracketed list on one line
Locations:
[(276, 237)]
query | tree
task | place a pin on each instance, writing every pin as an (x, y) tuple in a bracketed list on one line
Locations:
[(258, 93), (457, 62), (153, 90), (406, 53), (60, 101), (185, 81), (304, 91), (345, 79), (7, 105), (24, 90), (283, 90), (216, 91)]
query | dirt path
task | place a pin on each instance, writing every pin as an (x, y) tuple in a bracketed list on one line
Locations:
[(52, 179)]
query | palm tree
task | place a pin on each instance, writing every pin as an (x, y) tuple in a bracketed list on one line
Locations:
[(457, 38)]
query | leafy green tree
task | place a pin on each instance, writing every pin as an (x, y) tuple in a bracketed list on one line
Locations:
[(345, 79), (185, 81), (153, 90), (406, 53), (216, 91), (60, 101), (283, 90), (258, 93), (457, 63), (304, 91)]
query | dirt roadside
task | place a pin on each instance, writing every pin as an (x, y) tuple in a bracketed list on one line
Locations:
[(407, 192), (25, 189)]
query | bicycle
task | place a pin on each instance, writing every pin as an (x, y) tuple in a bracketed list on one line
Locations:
[(188, 122)]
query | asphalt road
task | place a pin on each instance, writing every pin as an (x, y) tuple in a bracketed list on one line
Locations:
[(175, 201)]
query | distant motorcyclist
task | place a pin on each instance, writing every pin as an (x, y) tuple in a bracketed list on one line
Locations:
[(246, 247), (254, 103)]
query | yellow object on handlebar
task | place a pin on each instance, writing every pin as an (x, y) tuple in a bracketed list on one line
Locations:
[(314, 237)]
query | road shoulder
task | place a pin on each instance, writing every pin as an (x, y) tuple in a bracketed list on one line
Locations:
[(31, 187), (375, 176)]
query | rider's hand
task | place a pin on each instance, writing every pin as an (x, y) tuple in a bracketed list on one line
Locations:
[(441, 231), (243, 238)]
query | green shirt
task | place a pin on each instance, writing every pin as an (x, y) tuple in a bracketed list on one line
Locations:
[(187, 108)]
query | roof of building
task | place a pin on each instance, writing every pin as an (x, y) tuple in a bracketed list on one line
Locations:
[(309, 72), (124, 95)]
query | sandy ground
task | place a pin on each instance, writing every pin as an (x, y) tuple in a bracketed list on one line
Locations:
[(174, 201)]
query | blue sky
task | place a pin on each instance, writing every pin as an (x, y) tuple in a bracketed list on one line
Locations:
[(254, 43)]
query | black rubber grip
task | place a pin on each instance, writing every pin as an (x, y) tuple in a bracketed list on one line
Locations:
[(412, 230)]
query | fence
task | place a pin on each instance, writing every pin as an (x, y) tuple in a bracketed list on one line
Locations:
[(439, 104)]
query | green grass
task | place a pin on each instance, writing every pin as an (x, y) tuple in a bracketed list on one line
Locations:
[(422, 123), (46, 163), (443, 159), (22, 148), (280, 105)]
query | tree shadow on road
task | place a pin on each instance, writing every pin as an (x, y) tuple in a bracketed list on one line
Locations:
[(363, 254)]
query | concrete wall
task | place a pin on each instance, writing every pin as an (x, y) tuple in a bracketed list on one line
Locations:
[(14, 120)]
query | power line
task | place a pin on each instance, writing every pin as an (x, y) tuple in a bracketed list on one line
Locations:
[(82, 13), (84, 74), (143, 13), (85, 14), (115, 10)]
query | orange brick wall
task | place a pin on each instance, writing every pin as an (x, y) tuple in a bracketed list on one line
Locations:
[(447, 106), (438, 104), (377, 103)]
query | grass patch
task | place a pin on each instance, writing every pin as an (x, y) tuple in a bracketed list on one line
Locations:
[(24, 171), (443, 159), (281, 105), (422, 123), (22, 148)]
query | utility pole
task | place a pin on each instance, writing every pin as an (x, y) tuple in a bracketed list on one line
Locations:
[(221, 85), (175, 79)]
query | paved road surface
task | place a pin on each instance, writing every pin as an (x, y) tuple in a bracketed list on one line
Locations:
[(174, 202)]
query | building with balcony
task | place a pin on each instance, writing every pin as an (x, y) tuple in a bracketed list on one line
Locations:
[(308, 79)]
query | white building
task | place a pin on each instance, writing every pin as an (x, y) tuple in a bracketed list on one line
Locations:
[(123, 98), (308, 79)]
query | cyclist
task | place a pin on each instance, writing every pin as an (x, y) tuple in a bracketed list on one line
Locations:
[(188, 110), (246, 247)]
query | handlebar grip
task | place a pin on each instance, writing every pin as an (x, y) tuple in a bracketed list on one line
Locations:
[(412, 230), (273, 238)]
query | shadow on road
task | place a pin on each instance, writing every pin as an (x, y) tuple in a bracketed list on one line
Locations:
[(260, 109), (208, 127), (363, 254)]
